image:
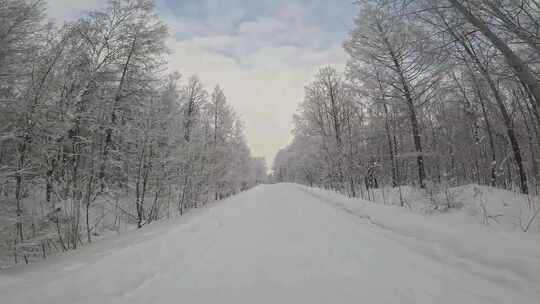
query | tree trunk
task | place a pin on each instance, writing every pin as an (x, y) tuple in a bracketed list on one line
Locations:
[(510, 132), (114, 117), (407, 94), (523, 72), (18, 190), (500, 103)]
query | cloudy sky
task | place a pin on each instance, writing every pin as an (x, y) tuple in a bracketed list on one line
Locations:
[(261, 52)]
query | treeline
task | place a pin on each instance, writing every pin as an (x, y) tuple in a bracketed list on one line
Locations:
[(434, 93), (94, 133)]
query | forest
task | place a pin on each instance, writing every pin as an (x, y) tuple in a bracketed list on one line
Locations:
[(97, 135), (411, 172), (435, 94)]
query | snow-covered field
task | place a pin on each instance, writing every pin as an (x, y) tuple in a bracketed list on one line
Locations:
[(287, 243)]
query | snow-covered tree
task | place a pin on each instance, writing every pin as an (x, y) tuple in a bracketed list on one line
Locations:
[(95, 135)]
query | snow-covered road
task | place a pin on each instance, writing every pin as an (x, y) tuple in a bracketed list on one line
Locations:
[(272, 244)]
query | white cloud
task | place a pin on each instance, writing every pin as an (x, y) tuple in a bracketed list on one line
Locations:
[(263, 68)]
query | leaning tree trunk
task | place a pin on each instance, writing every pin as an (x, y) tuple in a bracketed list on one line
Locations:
[(407, 94), (507, 120), (522, 70), (509, 129)]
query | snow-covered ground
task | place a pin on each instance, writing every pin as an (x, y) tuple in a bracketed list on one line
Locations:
[(287, 243), (498, 208)]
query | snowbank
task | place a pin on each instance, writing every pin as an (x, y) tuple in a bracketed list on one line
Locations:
[(461, 240), (502, 209)]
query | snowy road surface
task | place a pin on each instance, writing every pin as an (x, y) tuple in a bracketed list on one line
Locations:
[(272, 244)]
